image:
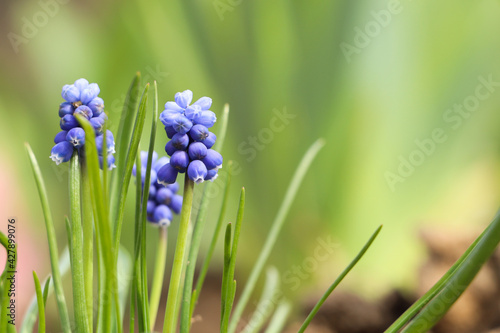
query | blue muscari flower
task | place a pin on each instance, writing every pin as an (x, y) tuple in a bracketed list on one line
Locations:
[(162, 198), (190, 147), (110, 160), (61, 152), (81, 97)]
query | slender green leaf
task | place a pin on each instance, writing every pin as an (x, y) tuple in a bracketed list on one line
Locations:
[(103, 229), (31, 314), (339, 279), (46, 289), (213, 242), (41, 304), (231, 284), (274, 232), (459, 279), (117, 216), (88, 245), (263, 311), (68, 234), (225, 270), (122, 141), (279, 318), (51, 236)]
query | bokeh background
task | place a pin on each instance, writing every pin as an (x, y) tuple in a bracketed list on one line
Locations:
[(370, 95)]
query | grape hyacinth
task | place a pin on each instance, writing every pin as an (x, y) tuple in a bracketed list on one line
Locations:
[(82, 98), (190, 145), (163, 200)]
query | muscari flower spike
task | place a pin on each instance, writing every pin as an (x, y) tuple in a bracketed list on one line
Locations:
[(190, 147), (82, 98), (163, 200)]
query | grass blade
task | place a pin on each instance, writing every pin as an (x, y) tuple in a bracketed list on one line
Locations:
[(46, 289), (213, 242), (32, 312), (458, 280), (225, 269), (231, 283), (123, 140), (159, 274), (119, 206), (339, 279), (274, 232), (259, 316), (51, 236), (41, 304)]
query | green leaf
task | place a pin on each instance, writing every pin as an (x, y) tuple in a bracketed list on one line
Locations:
[(263, 311), (46, 289), (457, 279), (159, 274), (339, 279), (51, 236), (41, 306), (274, 232), (32, 312), (103, 228), (230, 283), (225, 270), (118, 204), (123, 140)]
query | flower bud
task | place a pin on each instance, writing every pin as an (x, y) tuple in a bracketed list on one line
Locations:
[(182, 125), (162, 216), (68, 122), (167, 174), (176, 204), (197, 151), (84, 111), (65, 108), (180, 160), (170, 131), (193, 112), (97, 106), (210, 140), (81, 84), (110, 160), (70, 93), (207, 119), (164, 196), (76, 136), (212, 175), (60, 137), (205, 103), (61, 152), (89, 93), (213, 160), (98, 124), (160, 162), (180, 141), (199, 133), (197, 171), (183, 99)]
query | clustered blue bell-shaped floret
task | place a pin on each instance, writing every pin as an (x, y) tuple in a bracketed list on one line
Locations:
[(162, 200), (190, 145), (82, 98)]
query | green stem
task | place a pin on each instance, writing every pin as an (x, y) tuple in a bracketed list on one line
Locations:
[(180, 250), (88, 251), (79, 301), (51, 236), (161, 257), (274, 232)]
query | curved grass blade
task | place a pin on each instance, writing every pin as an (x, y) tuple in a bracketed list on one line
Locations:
[(187, 297), (46, 289), (41, 304), (103, 227), (274, 232), (123, 141), (119, 207), (51, 236), (279, 318), (213, 242), (339, 279), (458, 280), (230, 282), (259, 316), (32, 312)]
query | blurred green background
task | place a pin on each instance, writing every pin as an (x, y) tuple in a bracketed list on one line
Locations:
[(412, 62)]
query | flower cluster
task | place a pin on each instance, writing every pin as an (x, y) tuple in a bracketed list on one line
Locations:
[(162, 199), (82, 98), (190, 147)]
